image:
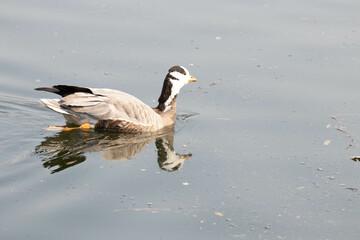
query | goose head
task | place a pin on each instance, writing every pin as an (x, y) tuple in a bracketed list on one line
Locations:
[(179, 76), (176, 78)]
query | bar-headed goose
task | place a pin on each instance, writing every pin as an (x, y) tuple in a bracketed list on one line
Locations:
[(112, 109)]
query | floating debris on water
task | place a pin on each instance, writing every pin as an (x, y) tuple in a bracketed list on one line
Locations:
[(5, 163), (219, 214)]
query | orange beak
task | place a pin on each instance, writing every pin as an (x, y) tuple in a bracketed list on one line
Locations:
[(192, 79)]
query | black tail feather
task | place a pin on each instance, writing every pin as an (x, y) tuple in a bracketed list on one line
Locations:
[(46, 89), (64, 90)]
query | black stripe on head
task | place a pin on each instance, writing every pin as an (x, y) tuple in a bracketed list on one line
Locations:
[(165, 94), (171, 77), (177, 69)]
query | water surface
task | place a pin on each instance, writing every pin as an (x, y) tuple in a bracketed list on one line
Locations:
[(267, 161)]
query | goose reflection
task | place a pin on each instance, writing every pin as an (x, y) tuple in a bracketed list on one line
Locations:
[(67, 148)]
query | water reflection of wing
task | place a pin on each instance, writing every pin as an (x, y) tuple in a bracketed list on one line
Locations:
[(68, 148), (121, 151), (127, 145)]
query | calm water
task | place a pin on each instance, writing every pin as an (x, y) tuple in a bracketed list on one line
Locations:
[(254, 153)]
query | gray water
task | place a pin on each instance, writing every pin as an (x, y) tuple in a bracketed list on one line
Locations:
[(258, 154)]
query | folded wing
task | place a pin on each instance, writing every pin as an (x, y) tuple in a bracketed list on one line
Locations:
[(107, 104)]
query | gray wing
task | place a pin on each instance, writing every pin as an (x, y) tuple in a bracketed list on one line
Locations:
[(105, 104)]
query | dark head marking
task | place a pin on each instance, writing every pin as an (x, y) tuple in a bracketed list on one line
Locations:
[(171, 77), (165, 94), (177, 69)]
